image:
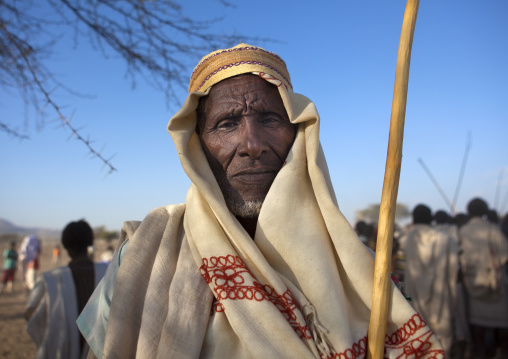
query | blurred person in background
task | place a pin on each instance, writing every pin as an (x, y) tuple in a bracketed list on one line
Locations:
[(10, 265), (430, 274), (30, 251), (445, 223), (492, 216), (60, 295), (504, 226), (366, 233), (484, 263), (460, 219), (107, 255), (57, 255)]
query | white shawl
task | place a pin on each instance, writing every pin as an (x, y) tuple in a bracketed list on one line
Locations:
[(301, 289)]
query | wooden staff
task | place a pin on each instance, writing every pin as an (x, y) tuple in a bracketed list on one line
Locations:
[(381, 292)]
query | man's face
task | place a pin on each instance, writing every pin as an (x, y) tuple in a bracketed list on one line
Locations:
[(246, 136)]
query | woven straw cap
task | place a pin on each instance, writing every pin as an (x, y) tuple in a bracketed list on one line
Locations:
[(222, 64)]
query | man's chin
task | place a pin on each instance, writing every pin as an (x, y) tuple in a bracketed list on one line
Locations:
[(245, 209), (245, 204)]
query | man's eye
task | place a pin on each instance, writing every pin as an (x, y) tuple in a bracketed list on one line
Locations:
[(270, 119), (226, 124)]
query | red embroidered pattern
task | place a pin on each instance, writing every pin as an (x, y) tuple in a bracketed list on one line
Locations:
[(408, 330), (226, 274), (273, 80), (402, 339), (287, 306)]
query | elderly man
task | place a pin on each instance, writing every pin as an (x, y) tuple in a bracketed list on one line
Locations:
[(259, 262)]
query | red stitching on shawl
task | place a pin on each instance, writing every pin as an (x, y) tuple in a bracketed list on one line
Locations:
[(287, 306), (271, 78), (226, 276), (418, 347), (408, 330)]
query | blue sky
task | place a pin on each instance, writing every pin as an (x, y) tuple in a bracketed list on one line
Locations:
[(341, 54)]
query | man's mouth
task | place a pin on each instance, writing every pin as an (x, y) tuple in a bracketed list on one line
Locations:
[(254, 176)]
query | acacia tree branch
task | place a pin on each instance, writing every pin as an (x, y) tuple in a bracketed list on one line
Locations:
[(12, 132), (35, 80), (155, 39)]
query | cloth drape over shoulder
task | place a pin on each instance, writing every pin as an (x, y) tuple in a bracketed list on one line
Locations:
[(192, 283), (51, 312)]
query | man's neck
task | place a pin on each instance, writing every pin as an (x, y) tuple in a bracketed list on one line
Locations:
[(249, 224), (79, 257)]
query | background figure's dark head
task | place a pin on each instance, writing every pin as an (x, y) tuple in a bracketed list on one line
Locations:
[(77, 237), (441, 217), (422, 214), (461, 219), (492, 216), (504, 226), (477, 207)]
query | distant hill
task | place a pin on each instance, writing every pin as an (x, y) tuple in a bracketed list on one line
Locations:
[(7, 227)]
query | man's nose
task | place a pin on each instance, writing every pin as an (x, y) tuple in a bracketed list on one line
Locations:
[(252, 141)]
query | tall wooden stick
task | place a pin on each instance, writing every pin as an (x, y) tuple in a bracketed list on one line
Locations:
[(381, 291)]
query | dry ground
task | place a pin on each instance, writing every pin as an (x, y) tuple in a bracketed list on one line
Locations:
[(15, 343)]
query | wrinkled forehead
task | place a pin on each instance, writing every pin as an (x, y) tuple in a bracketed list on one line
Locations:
[(234, 93), (238, 93), (244, 87), (223, 64)]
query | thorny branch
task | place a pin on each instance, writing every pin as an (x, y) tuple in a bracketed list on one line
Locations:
[(35, 80), (156, 40), (12, 132)]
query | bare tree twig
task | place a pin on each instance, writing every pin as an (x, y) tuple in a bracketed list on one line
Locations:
[(156, 40), (12, 132), (49, 100)]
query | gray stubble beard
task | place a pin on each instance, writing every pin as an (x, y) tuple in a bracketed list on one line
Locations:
[(236, 204), (245, 209)]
